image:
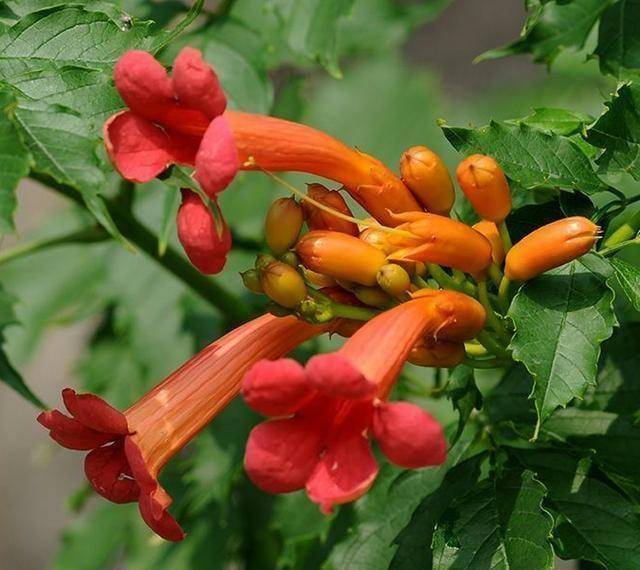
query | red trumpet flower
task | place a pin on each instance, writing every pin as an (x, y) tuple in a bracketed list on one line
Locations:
[(338, 400), (127, 450)]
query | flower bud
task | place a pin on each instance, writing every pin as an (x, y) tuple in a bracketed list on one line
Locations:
[(318, 279), (428, 178), (393, 279), (340, 256), (283, 224), (205, 239), (283, 284), (378, 238), (372, 296), (251, 280), (441, 240), (490, 231), (318, 219), (550, 246), (264, 259), (485, 186), (290, 258), (437, 354)]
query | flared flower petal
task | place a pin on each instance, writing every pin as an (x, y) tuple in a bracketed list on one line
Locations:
[(345, 473), (335, 376), (281, 454), (205, 240), (141, 150), (143, 84), (408, 435), (107, 469), (70, 433), (196, 85), (217, 160), (94, 412), (276, 387)]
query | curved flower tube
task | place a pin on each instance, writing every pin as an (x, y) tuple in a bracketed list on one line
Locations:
[(127, 450), (338, 401)]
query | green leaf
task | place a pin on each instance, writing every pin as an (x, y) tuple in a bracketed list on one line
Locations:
[(509, 400), (617, 132), (464, 394), (627, 276), (169, 211), (530, 157), (385, 510), (561, 317), (552, 27), (595, 522), (618, 388), (615, 439), (619, 37), (14, 163), (499, 524), (311, 27), (8, 374), (414, 542), (557, 121)]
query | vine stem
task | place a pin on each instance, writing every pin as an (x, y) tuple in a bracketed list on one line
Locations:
[(504, 236), (492, 319), (446, 282), (503, 293), (485, 363), (611, 250), (352, 312), (138, 234)]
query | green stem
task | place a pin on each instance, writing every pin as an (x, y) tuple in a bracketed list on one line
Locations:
[(491, 344), (504, 236), (458, 276), (624, 233), (420, 282), (446, 282), (503, 294), (485, 363), (216, 295), (90, 235), (352, 312), (492, 319), (496, 274), (611, 250)]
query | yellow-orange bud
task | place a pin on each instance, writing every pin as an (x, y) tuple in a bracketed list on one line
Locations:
[(340, 256), (283, 284), (251, 280), (318, 279), (444, 241), (372, 296), (283, 224), (318, 219), (393, 279), (428, 178), (485, 186), (490, 231), (438, 354), (550, 246)]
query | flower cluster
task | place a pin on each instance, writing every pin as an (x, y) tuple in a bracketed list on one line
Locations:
[(409, 284)]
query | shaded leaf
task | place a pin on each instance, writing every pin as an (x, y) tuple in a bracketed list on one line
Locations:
[(464, 394), (627, 276), (561, 317), (499, 524), (619, 37), (530, 157)]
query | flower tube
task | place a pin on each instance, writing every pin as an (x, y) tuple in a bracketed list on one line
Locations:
[(324, 414), (127, 450)]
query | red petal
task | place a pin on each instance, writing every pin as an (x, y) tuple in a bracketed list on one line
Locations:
[(95, 413), (334, 375), (154, 500), (408, 435), (196, 84), (276, 387), (205, 242), (345, 473), (140, 150), (281, 454), (143, 84), (70, 433), (108, 472), (217, 160)]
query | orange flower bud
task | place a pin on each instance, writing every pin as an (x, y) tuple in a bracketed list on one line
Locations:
[(485, 186), (550, 246), (318, 219), (283, 284), (393, 279), (438, 354), (444, 241), (378, 238), (428, 178), (341, 256), (318, 279), (490, 231), (461, 317), (283, 224)]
